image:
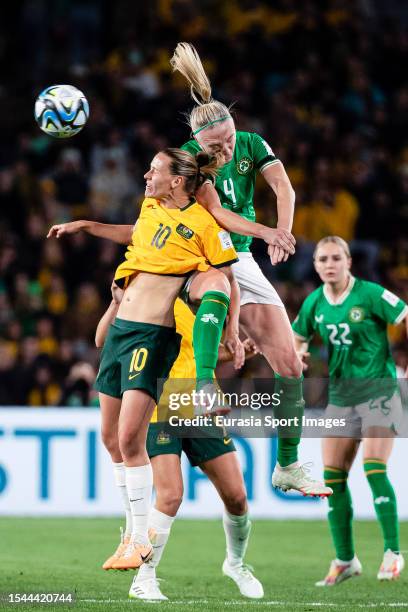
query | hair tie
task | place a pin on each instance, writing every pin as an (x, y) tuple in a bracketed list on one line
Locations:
[(211, 123)]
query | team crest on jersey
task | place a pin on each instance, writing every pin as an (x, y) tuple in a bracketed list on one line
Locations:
[(356, 314), (245, 165), (163, 438), (184, 231)]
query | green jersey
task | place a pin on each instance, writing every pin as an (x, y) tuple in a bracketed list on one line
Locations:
[(355, 331), (235, 181)]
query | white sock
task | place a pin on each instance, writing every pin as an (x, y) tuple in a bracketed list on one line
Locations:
[(237, 530), (160, 524), (120, 479), (139, 484)]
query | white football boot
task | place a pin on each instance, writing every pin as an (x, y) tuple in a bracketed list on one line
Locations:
[(248, 585), (392, 566), (339, 571), (147, 589), (295, 477)]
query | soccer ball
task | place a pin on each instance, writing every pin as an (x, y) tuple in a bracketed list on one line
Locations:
[(61, 111)]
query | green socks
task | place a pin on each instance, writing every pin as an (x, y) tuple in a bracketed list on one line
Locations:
[(340, 513), (341, 509), (385, 503), (291, 405), (207, 333)]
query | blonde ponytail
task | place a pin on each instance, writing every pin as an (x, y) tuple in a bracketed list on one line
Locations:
[(187, 61), (208, 111)]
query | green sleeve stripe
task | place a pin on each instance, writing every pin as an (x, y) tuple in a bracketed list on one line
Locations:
[(268, 163), (402, 315)]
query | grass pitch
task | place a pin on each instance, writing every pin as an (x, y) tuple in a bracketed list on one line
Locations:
[(65, 555)]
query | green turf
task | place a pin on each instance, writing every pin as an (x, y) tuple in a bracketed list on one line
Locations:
[(61, 555)]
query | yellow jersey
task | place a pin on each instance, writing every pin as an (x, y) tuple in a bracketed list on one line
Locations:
[(176, 241), (184, 367)]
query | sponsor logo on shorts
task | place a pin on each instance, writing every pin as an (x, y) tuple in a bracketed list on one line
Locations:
[(356, 314), (245, 165), (132, 376), (163, 438), (184, 231)]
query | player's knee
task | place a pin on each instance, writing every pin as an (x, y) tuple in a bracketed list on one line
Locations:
[(236, 503), (289, 365), (110, 441), (217, 281), (169, 501), (295, 367), (129, 445)]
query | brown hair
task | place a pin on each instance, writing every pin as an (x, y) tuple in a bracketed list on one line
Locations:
[(194, 168), (336, 240), (187, 61)]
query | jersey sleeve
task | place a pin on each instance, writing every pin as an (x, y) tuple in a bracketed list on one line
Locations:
[(303, 325), (191, 146), (217, 246), (386, 305), (262, 153)]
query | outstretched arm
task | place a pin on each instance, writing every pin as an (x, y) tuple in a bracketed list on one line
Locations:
[(276, 177), (207, 196), (231, 335), (109, 315), (121, 234), (302, 347)]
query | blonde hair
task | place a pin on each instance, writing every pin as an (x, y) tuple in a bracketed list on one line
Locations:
[(336, 240), (208, 111), (194, 168)]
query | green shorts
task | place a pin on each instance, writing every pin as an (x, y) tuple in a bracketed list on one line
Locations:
[(135, 356), (198, 450)]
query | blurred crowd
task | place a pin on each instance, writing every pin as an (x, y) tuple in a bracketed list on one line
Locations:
[(323, 82)]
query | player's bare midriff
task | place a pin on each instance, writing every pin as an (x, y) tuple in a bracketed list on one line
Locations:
[(150, 298)]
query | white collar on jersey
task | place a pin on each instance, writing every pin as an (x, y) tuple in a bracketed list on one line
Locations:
[(343, 296)]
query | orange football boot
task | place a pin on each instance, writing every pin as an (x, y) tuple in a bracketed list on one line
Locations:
[(124, 542), (134, 556)]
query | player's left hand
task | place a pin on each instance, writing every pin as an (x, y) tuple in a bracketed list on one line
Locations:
[(117, 293), (234, 345), (250, 348), (277, 254), (72, 227)]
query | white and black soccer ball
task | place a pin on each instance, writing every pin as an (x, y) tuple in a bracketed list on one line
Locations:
[(61, 111)]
